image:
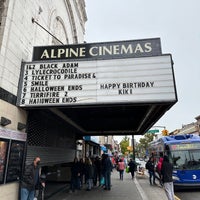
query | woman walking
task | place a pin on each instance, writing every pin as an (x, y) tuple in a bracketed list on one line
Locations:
[(121, 167), (89, 173)]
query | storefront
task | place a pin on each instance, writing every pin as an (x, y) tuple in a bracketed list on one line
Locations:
[(92, 147)]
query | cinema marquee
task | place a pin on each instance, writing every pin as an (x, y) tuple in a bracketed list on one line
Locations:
[(101, 73)]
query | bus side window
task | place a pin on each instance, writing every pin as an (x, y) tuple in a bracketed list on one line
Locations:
[(167, 150)]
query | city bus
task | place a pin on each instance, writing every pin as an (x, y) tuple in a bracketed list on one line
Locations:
[(184, 153)]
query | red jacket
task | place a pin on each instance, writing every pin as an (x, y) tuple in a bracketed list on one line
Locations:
[(159, 165), (121, 165)]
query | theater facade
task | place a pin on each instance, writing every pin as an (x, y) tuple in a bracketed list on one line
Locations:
[(56, 89)]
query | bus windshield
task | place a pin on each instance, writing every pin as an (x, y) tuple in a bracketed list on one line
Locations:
[(186, 159)]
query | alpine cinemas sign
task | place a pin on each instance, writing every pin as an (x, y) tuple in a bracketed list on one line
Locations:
[(109, 50)]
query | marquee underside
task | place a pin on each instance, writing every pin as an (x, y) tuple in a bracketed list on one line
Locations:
[(123, 119)]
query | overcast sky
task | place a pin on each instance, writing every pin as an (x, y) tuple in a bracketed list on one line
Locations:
[(176, 23)]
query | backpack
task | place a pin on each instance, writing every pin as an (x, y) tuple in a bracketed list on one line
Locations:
[(147, 166)]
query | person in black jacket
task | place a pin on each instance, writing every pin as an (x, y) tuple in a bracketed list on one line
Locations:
[(132, 167), (106, 170), (82, 171), (30, 180), (97, 174), (151, 168), (166, 175), (75, 175)]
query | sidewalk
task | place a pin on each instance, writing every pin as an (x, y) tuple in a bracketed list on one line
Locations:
[(150, 192), (137, 189)]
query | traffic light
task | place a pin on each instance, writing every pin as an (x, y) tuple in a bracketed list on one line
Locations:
[(165, 132), (129, 148)]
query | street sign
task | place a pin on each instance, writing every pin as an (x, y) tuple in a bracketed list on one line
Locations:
[(153, 131)]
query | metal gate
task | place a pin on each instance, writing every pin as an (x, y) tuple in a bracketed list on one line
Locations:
[(50, 138)]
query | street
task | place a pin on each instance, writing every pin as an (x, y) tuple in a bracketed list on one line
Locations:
[(188, 194)]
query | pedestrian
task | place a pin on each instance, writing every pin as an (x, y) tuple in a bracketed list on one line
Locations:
[(97, 175), (158, 169), (102, 181), (125, 162), (75, 175), (113, 160), (89, 173), (106, 171), (166, 173), (116, 161), (132, 166), (151, 169), (82, 171), (121, 167), (31, 180)]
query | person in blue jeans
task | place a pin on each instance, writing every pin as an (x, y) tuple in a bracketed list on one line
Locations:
[(89, 173), (121, 167), (151, 168), (30, 180), (106, 170)]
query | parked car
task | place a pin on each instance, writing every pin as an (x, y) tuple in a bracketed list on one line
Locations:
[(138, 161)]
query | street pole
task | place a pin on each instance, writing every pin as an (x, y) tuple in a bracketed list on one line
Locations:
[(133, 145)]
